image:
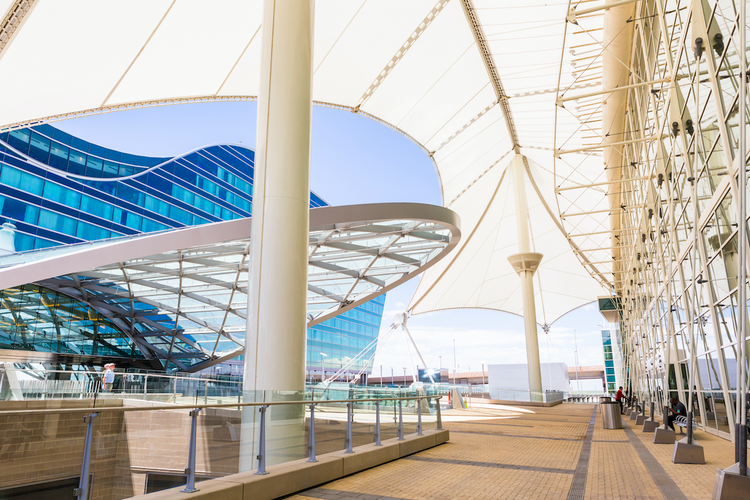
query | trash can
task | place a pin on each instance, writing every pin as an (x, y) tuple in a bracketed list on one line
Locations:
[(604, 399), (611, 415)]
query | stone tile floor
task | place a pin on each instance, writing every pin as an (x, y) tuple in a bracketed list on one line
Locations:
[(522, 453)]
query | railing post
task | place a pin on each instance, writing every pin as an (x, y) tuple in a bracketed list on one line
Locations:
[(439, 416), (262, 443), (174, 391), (82, 492), (377, 423), (400, 422), (145, 386), (190, 471), (419, 416), (311, 445), (349, 428)]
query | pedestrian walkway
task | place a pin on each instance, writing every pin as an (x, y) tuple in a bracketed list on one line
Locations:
[(536, 453)]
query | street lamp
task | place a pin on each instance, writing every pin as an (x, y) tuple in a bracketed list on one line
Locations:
[(404, 375), (381, 374), (483, 372), (346, 362), (323, 366), (455, 366), (392, 384), (441, 362)]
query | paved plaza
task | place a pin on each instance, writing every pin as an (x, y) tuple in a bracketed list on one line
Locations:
[(541, 453)]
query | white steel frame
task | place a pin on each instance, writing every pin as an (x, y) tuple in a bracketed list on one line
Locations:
[(676, 256)]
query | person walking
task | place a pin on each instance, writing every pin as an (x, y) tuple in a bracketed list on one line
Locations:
[(619, 397), (109, 376)]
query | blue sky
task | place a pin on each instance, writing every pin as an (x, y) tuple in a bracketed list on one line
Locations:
[(356, 160)]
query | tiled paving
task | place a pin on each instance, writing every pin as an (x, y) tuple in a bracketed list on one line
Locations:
[(544, 453)]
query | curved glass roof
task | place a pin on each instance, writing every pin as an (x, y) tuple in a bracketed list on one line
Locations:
[(37, 318), (469, 81), (181, 295)]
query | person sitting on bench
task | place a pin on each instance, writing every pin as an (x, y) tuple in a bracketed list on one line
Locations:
[(678, 410)]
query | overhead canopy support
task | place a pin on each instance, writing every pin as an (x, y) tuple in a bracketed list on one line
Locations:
[(525, 263), (276, 326)]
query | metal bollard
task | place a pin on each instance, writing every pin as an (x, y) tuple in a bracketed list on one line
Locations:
[(349, 428), (262, 443), (311, 446), (377, 423), (419, 416), (439, 416), (690, 427), (653, 410), (190, 471), (400, 422), (82, 492)]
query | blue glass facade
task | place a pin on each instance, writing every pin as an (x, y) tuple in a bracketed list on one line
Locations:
[(125, 194), (208, 185), (344, 337), (609, 362)]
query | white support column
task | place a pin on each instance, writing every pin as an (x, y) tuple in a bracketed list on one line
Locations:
[(277, 309), (276, 326), (525, 263)]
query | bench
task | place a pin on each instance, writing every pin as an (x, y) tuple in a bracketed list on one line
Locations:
[(681, 422)]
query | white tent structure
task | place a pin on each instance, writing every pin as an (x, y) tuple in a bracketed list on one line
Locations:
[(440, 72), (476, 84)]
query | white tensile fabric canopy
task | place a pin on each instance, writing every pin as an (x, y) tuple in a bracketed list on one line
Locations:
[(468, 81), (478, 274)]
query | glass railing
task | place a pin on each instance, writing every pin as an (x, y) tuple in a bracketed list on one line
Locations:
[(123, 447), (31, 384)]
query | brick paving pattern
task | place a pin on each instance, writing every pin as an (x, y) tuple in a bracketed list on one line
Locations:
[(527, 454)]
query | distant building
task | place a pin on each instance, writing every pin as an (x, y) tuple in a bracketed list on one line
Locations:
[(516, 377)]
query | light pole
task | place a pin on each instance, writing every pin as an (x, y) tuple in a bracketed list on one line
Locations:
[(454, 355), (392, 384), (441, 362), (381, 374), (482, 372), (323, 366), (578, 381), (454, 361), (346, 362), (404, 375)]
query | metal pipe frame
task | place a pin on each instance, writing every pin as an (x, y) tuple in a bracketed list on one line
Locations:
[(190, 471), (82, 492), (311, 446)]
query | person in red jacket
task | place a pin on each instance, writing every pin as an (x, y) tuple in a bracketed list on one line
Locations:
[(619, 397)]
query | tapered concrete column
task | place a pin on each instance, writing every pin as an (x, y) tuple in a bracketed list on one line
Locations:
[(277, 304), (525, 263)]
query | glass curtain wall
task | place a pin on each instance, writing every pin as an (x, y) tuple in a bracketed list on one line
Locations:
[(679, 214)]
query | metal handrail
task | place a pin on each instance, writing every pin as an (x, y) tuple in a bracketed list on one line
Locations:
[(81, 493), (197, 406), (96, 374)]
